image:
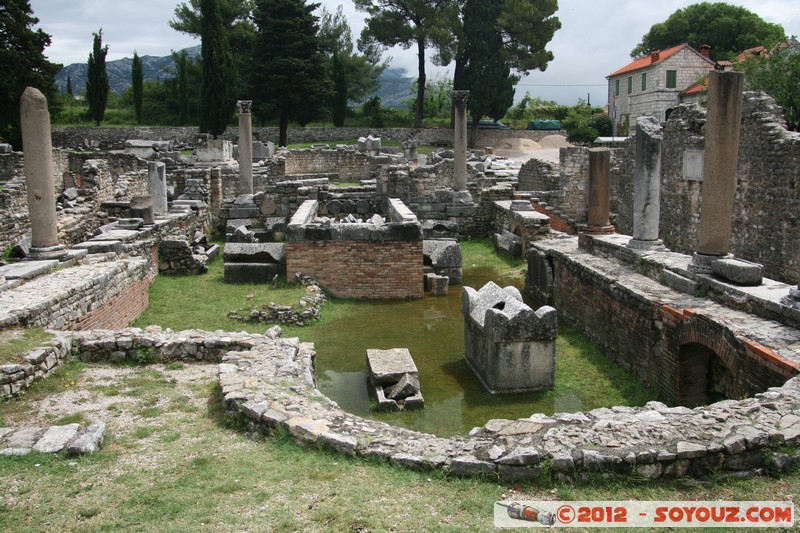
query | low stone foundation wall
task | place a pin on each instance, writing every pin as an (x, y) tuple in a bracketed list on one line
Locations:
[(106, 295), (39, 364), (270, 383), (655, 332)]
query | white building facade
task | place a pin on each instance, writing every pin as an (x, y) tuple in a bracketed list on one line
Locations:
[(651, 85)]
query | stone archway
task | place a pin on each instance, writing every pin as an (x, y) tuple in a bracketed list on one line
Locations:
[(703, 376)]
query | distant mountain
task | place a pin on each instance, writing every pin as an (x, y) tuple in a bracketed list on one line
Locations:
[(395, 86), (119, 72)]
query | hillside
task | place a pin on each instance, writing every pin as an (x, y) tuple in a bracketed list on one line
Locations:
[(395, 86)]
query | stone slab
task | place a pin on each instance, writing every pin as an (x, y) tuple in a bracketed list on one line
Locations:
[(116, 235), (56, 438), (24, 437), (244, 212), (738, 271), (256, 252), (100, 246), (252, 272), (407, 386), (27, 269), (90, 441), (388, 366)]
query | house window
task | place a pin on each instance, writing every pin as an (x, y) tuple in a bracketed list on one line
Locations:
[(616, 88), (672, 79), (630, 84), (644, 81)]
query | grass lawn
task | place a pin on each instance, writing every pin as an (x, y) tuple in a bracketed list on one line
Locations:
[(173, 462)]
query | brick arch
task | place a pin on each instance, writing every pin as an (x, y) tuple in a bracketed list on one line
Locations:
[(753, 368)]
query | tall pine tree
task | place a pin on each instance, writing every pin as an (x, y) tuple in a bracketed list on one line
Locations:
[(97, 80), (137, 84), (22, 64), (290, 82), (487, 71), (219, 76)]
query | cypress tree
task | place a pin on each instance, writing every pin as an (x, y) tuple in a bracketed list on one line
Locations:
[(339, 106), (290, 82), (69, 85), (22, 64), (97, 80), (137, 83), (487, 71), (183, 88), (219, 77)]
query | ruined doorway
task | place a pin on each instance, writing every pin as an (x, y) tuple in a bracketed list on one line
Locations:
[(703, 376)]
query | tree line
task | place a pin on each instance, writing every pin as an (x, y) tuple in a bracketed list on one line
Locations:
[(298, 67)]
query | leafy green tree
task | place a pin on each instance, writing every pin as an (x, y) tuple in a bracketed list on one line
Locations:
[(777, 73), (361, 70), (97, 80), (219, 76), (438, 99), (727, 28), (290, 82), (527, 26), (69, 85), (137, 84), (236, 25), (22, 64), (486, 66), (424, 23)]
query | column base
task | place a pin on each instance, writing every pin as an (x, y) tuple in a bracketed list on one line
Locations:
[(793, 299), (599, 230), (656, 245), (49, 252), (462, 198), (701, 263)]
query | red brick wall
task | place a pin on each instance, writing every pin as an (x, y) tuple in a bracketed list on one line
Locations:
[(370, 270), (119, 311)]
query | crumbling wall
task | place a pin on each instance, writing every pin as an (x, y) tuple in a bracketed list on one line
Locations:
[(766, 217)]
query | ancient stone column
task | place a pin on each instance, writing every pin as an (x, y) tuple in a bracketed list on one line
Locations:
[(460, 139), (157, 186), (39, 172), (245, 147), (599, 192), (647, 185), (721, 153)]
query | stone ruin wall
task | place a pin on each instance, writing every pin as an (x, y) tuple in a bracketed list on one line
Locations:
[(767, 202), (565, 187), (115, 137)]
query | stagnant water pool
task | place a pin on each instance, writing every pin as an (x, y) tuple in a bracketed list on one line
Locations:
[(455, 401)]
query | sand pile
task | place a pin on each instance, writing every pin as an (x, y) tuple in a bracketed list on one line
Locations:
[(554, 141), (518, 145)]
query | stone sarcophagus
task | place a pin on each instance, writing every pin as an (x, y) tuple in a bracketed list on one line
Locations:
[(508, 345)]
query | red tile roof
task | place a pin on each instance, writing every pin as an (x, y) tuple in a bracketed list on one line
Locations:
[(699, 87), (755, 51), (647, 60)]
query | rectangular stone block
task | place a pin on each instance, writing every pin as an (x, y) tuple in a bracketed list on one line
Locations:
[(252, 272), (389, 366)]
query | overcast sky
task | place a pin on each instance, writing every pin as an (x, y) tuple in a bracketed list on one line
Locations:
[(595, 39)]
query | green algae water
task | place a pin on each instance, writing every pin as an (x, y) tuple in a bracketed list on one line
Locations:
[(455, 401)]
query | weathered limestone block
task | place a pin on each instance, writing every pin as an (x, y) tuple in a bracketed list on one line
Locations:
[(394, 379), (444, 257), (508, 244), (509, 346)]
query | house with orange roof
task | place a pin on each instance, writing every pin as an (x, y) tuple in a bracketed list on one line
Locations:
[(651, 85)]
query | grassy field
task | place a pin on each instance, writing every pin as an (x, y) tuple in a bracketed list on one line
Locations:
[(173, 462)]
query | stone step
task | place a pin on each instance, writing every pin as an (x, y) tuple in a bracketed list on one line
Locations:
[(71, 438)]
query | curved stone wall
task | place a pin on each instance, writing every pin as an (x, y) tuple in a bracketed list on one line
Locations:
[(270, 383)]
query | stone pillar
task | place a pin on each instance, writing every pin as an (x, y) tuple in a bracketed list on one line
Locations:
[(157, 186), (39, 172), (599, 192), (721, 154), (647, 185), (142, 207), (245, 147), (460, 139)]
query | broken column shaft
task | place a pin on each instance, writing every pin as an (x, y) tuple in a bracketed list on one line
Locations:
[(460, 139), (647, 185), (720, 158), (39, 173), (245, 147), (599, 221)]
